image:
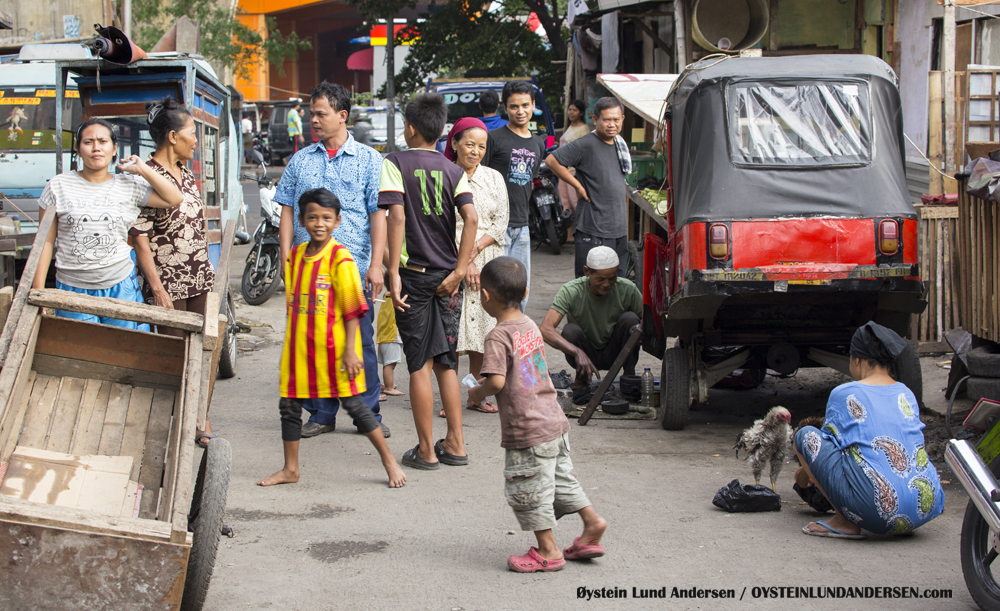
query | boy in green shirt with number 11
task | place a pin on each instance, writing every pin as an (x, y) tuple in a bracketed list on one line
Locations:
[(422, 191)]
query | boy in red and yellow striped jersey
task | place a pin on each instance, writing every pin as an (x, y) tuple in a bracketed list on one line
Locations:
[(322, 356)]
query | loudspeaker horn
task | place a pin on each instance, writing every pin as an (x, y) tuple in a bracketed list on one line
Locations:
[(113, 45)]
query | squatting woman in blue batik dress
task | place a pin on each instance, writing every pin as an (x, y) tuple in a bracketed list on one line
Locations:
[(869, 458)]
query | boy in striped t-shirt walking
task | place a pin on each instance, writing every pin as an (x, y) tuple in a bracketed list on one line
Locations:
[(322, 358)]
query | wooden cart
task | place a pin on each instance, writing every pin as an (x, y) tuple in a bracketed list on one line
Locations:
[(85, 407)]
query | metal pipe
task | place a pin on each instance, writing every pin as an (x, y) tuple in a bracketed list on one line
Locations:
[(976, 478)]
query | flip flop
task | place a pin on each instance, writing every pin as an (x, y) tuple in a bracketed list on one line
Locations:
[(830, 532), (582, 552), (449, 459), (532, 562), (200, 436), (411, 458), (486, 407)]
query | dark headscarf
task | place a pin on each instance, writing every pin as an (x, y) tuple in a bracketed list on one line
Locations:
[(873, 342), (461, 126)]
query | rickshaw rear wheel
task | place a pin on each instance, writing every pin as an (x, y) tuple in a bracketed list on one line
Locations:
[(907, 370), (675, 388), (227, 357), (976, 554), (208, 506)]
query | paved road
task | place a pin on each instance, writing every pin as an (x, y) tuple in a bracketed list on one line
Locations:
[(340, 539)]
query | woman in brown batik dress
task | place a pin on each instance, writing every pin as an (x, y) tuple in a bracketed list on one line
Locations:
[(170, 246)]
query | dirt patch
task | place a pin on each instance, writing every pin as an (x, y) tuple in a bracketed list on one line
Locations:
[(320, 512), (332, 551)]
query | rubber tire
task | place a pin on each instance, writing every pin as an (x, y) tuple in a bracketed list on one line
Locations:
[(675, 389), (552, 236), (907, 370), (983, 388), (208, 507), (984, 362), (975, 537), (227, 356), (245, 284)]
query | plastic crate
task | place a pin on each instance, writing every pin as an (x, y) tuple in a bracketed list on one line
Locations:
[(646, 166)]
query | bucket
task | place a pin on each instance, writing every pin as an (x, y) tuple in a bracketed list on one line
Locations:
[(735, 24)]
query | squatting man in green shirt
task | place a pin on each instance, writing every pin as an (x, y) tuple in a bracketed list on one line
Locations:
[(601, 309)]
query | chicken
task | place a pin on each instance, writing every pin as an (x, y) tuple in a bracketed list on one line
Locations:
[(767, 441)]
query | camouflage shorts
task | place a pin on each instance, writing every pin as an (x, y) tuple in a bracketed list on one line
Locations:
[(540, 484)]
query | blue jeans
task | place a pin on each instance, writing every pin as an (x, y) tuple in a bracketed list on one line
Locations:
[(518, 245), (324, 411), (127, 289)]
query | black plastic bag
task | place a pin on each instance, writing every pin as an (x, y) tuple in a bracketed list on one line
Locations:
[(738, 498)]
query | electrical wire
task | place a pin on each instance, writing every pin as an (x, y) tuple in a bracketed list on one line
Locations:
[(917, 148)]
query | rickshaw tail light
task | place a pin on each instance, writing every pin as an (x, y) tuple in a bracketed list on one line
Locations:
[(718, 241), (888, 237)]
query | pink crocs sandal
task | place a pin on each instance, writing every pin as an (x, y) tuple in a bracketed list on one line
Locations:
[(582, 552), (533, 563)]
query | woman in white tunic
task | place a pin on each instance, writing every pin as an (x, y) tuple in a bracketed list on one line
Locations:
[(466, 147)]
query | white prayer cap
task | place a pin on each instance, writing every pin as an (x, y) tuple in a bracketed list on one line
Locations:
[(602, 257)]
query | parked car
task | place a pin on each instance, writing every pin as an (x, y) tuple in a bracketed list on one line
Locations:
[(374, 126), (277, 130), (788, 223)]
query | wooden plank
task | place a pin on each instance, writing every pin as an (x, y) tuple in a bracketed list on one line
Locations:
[(935, 143), (211, 329), (116, 308), (11, 429), (16, 510), (19, 356), (36, 419), (136, 422), (96, 343), (114, 420), (154, 453), (6, 297), (65, 415), (602, 389), (185, 458), (87, 439), (937, 212), (18, 306), (54, 365), (173, 449)]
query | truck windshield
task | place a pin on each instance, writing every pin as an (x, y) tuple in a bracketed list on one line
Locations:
[(462, 104), (805, 124), (28, 116)]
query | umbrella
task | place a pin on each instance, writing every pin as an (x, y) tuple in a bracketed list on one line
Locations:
[(362, 60)]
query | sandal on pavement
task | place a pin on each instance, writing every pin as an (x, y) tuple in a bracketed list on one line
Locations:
[(198, 439), (449, 459), (830, 532), (486, 407), (582, 552), (411, 458), (532, 562), (441, 413)]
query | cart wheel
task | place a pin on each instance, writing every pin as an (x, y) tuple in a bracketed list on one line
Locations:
[(675, 389), (227, 356), (208, 505), (906, 369)]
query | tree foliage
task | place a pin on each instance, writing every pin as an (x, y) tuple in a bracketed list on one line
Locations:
[(223, 38), (457, 37)]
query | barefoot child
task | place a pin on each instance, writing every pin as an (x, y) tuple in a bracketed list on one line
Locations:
[(422, 190), (390, 348), (322, 357), (541, 486)]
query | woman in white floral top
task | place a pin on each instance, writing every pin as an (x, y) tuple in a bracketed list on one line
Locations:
[(466, 147), (170, 246)]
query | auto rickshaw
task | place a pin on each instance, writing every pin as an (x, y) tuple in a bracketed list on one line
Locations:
[(787, 223)]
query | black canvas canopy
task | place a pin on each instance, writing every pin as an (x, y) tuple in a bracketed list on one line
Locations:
[(818, 135)]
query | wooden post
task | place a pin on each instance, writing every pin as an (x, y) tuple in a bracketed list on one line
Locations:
[(935, 142), (948, 59), (680, 35)]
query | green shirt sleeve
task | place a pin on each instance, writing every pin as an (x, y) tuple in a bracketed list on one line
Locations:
[(635, 300), (391, 178), (463, 185), (563, 299)]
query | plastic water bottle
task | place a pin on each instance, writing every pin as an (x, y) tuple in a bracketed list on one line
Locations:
[(470, 381), (647, 388)]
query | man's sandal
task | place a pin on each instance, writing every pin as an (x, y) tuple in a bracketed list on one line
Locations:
[(198, 439)]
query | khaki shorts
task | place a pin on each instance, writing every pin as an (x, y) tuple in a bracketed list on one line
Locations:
[(541, 486)]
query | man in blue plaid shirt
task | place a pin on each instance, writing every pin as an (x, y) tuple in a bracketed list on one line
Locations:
[(351, 171)]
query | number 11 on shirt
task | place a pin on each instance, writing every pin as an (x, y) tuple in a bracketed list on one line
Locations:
[(438, 177)]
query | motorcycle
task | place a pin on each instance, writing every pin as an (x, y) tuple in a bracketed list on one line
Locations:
[(260, 145), (262, 273), (977, 467), (547, 221)]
